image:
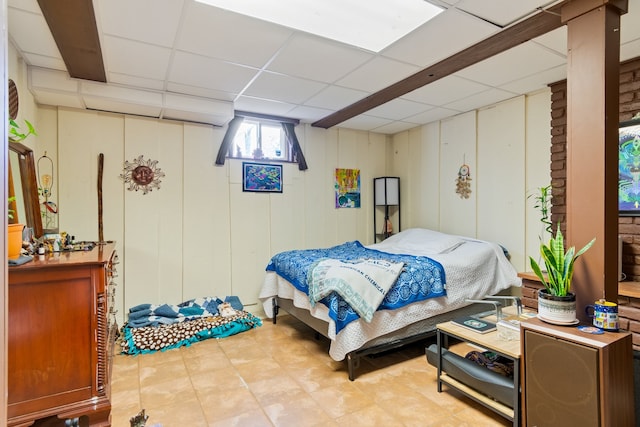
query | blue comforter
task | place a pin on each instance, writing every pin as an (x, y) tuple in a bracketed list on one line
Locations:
[(421, 278)]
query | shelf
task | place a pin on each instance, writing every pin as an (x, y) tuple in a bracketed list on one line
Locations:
[(498, 407)]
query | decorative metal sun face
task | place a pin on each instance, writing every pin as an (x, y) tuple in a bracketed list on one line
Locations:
[(142, 175)]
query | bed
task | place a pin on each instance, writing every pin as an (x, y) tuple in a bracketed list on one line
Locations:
[(440, 274)]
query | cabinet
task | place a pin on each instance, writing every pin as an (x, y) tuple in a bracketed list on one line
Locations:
[(571, 378), (61, 334)]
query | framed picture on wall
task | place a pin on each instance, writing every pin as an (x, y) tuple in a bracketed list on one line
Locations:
[(629, 168), (261, 177)]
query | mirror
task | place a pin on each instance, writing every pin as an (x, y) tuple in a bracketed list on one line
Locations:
[(23, 186)]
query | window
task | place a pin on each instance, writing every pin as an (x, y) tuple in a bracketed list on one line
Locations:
[(261, 137), (258, 140)]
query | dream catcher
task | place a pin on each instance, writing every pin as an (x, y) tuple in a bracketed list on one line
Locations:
[(463, 182), (48, 209)]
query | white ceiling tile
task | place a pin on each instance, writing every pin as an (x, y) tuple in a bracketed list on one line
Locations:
[(195, 70), (133, 81), (364, 122), (27, 5), (523, 60), (445, 90), (432, 115), (142, 20), (220, 34), (31, 33), (183, 47), (555, 40), (263, 106), (394, 127), (136, 58), (377, 74), (336, 97), (309, 114), (54, 63), (537, 81), (501, 12), (428, 37), (398, 109), (479, 100), (283, 88), (201, 91), (629, 28), (313, 58)]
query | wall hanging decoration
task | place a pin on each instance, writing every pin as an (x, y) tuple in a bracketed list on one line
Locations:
[(261, 177), (347, 188), (142, 175), (463, 182), (48, 208)]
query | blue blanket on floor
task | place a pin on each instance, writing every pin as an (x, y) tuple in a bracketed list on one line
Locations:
[(421, 277), (167, 314)]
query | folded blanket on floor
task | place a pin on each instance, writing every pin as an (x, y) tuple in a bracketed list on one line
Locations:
[(363, 284), (166, 314), (149, 339)]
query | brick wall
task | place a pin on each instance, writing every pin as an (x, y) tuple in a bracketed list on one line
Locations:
[(628, 227)]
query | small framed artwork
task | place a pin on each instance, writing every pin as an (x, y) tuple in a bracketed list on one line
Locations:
[(261, 177)]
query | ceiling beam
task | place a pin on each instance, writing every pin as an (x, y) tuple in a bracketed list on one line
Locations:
[(73, 26), (537, 25)]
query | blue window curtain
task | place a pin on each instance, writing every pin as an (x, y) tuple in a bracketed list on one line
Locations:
[(290, 133), (233, 127)]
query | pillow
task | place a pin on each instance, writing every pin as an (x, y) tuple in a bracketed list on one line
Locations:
[(425, 241)]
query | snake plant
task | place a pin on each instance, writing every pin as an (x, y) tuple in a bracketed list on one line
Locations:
[(559, 264)]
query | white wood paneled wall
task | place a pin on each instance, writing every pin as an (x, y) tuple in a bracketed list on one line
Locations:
[(200, 234), (458, 146), (507, 147)]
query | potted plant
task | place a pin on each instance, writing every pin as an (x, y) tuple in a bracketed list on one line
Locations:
[(556, 303)]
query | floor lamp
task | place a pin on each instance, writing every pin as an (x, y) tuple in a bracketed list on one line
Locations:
[(387, 193)]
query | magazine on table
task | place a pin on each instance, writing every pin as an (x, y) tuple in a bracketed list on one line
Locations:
[(473, 323)]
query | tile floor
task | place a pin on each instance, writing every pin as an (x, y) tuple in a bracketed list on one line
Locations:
[(280, 375)]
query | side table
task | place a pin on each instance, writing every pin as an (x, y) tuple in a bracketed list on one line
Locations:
[(491, 342)]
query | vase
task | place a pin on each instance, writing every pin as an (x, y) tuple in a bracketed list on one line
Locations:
[(558, 310), (14, 240)]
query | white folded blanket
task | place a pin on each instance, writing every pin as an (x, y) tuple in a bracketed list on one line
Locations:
[(363, 284)]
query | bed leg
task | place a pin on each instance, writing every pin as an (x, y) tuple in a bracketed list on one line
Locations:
[(353, 362), (276, 309)]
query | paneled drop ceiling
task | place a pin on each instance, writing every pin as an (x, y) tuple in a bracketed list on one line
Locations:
[(186, 60)]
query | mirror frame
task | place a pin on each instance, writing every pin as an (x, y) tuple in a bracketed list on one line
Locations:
[(29, 186)]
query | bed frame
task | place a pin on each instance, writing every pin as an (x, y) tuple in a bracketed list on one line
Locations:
[(409, 334)]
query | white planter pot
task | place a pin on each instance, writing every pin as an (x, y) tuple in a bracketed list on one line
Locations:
[(555, 309)]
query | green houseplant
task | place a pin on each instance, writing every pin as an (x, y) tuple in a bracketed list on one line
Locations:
[(559, 264), (16, 134), (556, 302)]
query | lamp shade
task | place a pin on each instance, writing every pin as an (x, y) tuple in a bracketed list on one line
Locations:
[(387, 191)]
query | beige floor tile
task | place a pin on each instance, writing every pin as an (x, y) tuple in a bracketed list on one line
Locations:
[(169, 391), (301, 412), (227, 403), (341, 399), (281, 375), (178, 414), (255, 418), (369, 416)]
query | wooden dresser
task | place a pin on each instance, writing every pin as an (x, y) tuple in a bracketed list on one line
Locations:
[(62, 331)]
